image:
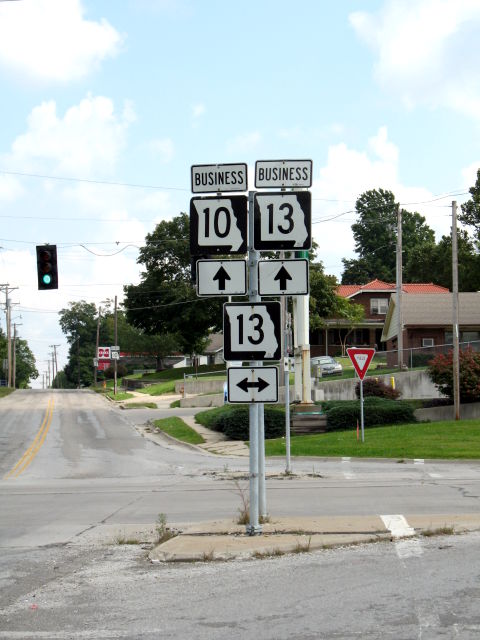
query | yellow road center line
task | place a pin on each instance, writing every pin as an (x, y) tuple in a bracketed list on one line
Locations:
[(34, 448)]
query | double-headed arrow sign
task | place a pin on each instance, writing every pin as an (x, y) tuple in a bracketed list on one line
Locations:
[(252, 384)]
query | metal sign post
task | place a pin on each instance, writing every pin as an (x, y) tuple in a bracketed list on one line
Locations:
[(361, 359)]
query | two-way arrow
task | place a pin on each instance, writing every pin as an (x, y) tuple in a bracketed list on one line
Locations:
[(283, 276), (222, 276), (245, 385)]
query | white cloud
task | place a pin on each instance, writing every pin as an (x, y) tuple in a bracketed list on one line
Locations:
[(10, 188), (469, 175), (427, 51), (198, 110), (50, 40), (244, 143), (87, 140), (346, 175), (163, 148)]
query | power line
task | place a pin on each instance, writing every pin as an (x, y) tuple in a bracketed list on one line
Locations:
[(92, 181)]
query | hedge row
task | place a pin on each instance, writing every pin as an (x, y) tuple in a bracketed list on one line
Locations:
[(233, 421), (376, 411)]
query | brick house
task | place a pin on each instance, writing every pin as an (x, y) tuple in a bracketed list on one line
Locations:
[(427, 325), (375, 298)]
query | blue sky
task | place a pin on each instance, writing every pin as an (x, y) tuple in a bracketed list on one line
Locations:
[(377, 93)]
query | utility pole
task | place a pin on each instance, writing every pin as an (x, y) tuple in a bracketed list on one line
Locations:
[(399, 289), (115, 330), (97, 344), (15, 354), (456, 337), (78, 361), (54, 361), (8, 321), (48, 379)]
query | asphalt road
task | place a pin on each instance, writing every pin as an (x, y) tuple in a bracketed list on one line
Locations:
[(76, 473)]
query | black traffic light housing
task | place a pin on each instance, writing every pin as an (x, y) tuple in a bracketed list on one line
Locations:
[(47, 266)]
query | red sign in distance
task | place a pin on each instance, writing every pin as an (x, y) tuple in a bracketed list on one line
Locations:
[(361, 359)]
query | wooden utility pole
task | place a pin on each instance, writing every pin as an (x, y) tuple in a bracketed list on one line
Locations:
[(399, 289), (455, 329), (97, 344), (116, 342)]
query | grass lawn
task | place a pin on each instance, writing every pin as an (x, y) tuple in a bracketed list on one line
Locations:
[(5, 391), (120, 395), (159, 389), (177, 428), (448, 440)]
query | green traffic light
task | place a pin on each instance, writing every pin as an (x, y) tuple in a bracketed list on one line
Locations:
[(46, 279)]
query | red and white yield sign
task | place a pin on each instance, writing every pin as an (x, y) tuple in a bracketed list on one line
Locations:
[(361, 359)]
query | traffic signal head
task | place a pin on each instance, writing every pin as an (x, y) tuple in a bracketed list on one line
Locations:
[(47, 266)]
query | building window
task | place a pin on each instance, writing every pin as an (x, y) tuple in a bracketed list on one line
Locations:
[(378, 306), (428, 342)]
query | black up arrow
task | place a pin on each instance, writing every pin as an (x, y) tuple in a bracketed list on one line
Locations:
[(245, 385), (222, 276), (283, 276)]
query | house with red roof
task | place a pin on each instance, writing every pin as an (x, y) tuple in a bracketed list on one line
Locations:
[(375, 297)]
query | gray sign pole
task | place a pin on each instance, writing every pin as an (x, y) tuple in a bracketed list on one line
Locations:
[(254, 526), (361, 410)]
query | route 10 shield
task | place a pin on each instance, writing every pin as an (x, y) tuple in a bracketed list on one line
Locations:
[(252, 331), (282, 221), (218, 225)]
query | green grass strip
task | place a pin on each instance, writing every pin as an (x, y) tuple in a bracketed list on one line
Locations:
[(442, 440), (159, 389), (5, 391), (120, 395), (177, 428)]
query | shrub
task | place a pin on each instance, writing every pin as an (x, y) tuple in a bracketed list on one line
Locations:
[(121, 371), (440, 371), (421, 359), (233, 421), (376, 411), (377, 389)]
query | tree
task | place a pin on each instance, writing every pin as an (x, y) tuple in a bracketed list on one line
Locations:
[(440, 370), (375, 236), (325, 305), (471, 209), (25, 369), (165, 301), (434, 263), (79, 324)]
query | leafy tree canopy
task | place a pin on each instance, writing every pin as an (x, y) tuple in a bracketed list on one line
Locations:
[(165, 301), (375, 236), (471, 209), (25, 369)]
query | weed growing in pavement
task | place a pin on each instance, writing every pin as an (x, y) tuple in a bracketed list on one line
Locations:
[(441, 531), (271, 553), (303, 547), (207, 556), (244, 508), (163, 532)]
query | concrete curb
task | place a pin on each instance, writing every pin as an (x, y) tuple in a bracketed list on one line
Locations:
[(225, 540)]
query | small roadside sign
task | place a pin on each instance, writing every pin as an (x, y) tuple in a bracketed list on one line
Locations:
[(283, 277), (280, 174), (252, 384), (252, 331), (218, 178), (95, 362), (103, 353), (115, 355), (221, 278), (361, 359), (218, 225), (282, 221)]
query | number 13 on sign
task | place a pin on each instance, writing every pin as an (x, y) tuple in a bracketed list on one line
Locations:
[(282, 221), (251, 331)]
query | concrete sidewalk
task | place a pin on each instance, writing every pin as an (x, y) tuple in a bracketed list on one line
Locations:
[(225, 540)]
